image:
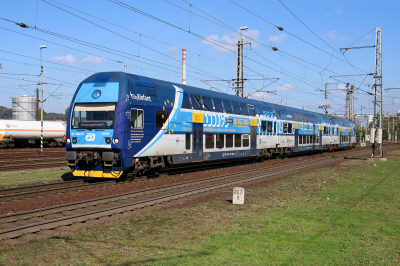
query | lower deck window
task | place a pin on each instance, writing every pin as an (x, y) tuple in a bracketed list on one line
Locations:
[(209, 141), (246, 140), (220, 140), (229, 140), (187, 140), (238, 140)]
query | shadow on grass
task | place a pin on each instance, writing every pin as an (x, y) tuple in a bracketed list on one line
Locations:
[(69, 176), (230, 201)]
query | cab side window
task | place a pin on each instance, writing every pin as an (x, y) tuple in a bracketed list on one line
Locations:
[(136, 118)]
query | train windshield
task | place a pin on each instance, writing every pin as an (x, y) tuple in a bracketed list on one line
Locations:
[(93, 116)]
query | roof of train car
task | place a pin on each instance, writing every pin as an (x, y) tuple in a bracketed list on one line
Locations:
[(145, 81)]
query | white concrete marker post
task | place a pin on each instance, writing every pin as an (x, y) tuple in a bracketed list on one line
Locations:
[(238, 195)]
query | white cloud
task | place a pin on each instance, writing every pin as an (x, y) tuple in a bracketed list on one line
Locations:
[(261, 96), (227, 42), (331, 35), (172, 48), (340, 90), (70, 59), (93, 60), (278, 38), (337, 10), (367, 37), (286, 87), (343, 38)]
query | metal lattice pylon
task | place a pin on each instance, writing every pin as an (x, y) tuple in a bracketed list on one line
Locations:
[(378, 100)]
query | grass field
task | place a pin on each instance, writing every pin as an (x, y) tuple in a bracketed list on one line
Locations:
[(342, 216), (33, 177)]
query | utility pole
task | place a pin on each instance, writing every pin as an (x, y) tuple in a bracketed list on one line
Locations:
[(37, 105), (378, 84), (41, 83), (239, 82)]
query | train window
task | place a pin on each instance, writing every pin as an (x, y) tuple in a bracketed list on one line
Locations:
[(251, 109), (317, 140), (161, 117), (209, 141), (269, 126), (244, 109), (186, 102), (229, 140), (196, 102), (228, 107), (236, 108), (308, 139), (187, 141), (263, 126), (200, 139), (136, 118), (220, 140), (208, 105), (246, 141), (238, 140), (290, 128), (285, 128), (195, 139), (218, 105), (300, 139), (275, 127)]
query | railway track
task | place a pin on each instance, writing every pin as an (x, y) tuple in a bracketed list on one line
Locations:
[(27, 192), (18, 224), (24, 160)]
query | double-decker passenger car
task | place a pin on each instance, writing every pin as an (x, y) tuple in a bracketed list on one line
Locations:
[(122, 123)]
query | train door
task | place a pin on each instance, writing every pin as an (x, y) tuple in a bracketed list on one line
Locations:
[(197, 142), (253, 143), (296, 137)]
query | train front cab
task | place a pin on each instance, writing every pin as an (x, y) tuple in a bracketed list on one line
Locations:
[(93, 131)]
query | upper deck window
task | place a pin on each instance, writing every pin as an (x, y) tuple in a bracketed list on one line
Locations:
[(243, 106), (218, 105), (196, 102), (236, 108), (208, 105), (93, 116), (228, 107), (186, 102)]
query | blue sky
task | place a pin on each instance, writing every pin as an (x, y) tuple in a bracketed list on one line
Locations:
[(308, 47)]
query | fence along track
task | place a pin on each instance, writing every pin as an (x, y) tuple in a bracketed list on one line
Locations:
[(18, 224)]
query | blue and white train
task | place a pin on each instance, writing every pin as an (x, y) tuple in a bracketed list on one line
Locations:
[(122, 123)]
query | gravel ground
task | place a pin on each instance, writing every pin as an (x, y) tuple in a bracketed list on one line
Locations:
[(139, 184)]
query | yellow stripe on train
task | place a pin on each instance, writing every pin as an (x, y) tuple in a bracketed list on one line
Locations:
[(97, 174)]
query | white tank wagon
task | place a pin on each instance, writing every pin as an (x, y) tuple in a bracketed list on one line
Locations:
[(28, 133)]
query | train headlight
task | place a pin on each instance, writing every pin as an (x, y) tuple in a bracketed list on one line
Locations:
[(74, 140), (108, 140), (68, 140), (116, 140)]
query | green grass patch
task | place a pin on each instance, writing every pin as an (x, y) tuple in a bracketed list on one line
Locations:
[(34, 177), (342, 216)]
